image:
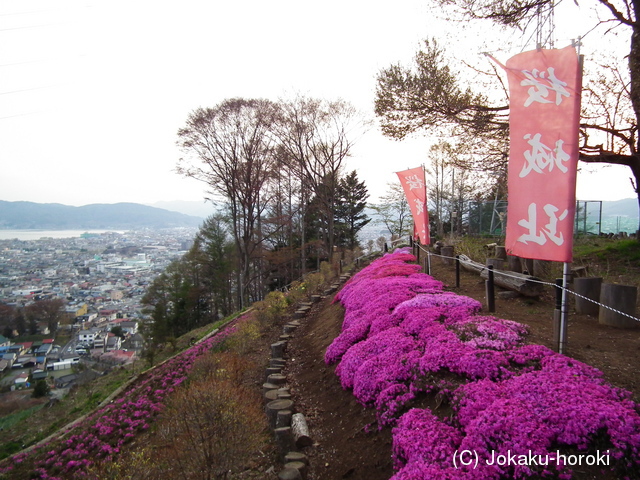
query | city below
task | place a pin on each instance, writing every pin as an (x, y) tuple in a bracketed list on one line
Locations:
[(99, 279)]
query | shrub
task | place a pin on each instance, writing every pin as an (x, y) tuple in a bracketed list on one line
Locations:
[(242, 340), (272, 307), (313, 283), (209, 429)]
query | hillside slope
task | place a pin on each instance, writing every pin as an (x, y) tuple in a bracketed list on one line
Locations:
[(348, 442)]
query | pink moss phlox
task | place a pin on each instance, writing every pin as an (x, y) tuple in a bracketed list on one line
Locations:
[(388, 265), (356, 333), (104, 433), (395, 363), (454, 307), (556, 405), (528, 354), (391, 401), (507, 397), (490, 332), (419, 434), (357, 354), (422, 470)]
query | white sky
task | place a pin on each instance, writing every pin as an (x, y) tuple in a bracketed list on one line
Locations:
[(92, 92)]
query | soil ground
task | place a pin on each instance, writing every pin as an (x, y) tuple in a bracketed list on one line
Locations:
[(346, 449)]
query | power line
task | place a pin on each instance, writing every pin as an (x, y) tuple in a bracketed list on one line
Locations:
[(27, 89), (32, 26), (21, 115)]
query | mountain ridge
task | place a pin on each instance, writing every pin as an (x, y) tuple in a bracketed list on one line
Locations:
[(24, 215)]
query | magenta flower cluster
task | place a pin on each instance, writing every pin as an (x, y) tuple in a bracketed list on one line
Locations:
[(404, 337), (102, 435)]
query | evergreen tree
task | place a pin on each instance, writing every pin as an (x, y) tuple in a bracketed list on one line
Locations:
[(350, 217), (41, 389)]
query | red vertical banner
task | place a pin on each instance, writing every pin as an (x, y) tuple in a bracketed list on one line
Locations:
[(544, 90), (415, 188)]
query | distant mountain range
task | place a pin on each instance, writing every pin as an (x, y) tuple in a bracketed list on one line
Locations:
[(117, 216), (627, 207), (129, 216)]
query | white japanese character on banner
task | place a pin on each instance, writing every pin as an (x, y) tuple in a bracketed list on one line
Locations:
[(552, 226), (549, 232), (541, 157), (541, 86), (419, 206), (414, 182)]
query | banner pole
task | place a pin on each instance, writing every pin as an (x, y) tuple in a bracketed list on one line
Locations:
[(564, 311)]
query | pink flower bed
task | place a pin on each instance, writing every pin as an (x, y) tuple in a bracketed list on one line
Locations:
[(404, 337), (102, 435)]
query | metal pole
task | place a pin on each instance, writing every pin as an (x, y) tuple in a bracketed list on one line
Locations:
[(491, 299), (557, 313), (564, 311), (428, 262), (600, 221), (457, 271)]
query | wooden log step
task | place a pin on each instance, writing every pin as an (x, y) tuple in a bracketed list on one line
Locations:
[(273, 371), (284, 441), (588, 287), (289, 328), (274, 407), (277, 349), (296, 457), (277, 362), (283, 418), (277, 378), (300, 466), (622, 298), (272, 395), (300, 431), (269, 386), (289, 474)]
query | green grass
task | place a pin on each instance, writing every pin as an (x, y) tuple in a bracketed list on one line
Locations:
[(628, 250), (10, 420)]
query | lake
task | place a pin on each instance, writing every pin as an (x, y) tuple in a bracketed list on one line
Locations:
[(37, 234)]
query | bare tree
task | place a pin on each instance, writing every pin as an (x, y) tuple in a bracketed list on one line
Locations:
[(49, 311), (231, 150), (411, 99), (317, 137), (394, 212)]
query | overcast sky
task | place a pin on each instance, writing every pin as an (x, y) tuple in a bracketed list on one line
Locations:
[(92, 92)]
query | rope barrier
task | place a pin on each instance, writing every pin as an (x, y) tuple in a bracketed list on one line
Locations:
[(534, 280)]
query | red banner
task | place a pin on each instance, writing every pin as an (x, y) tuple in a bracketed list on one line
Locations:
[(415, 189), (544, 88)]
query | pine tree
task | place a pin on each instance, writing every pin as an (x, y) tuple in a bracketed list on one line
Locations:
[(350, 217)]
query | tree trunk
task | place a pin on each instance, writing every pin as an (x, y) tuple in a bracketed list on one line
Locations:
[(634, 74)]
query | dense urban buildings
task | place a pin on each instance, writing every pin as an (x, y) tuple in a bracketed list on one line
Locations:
[(96, 282)]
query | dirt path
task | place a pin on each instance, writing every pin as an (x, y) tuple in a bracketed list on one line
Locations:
[(343, 449)]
